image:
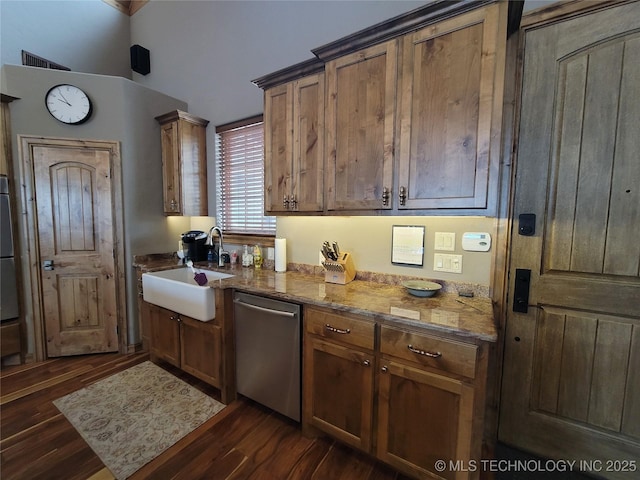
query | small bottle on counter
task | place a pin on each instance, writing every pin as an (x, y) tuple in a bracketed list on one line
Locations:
[(257, 256), (234, 257), (247, 257)]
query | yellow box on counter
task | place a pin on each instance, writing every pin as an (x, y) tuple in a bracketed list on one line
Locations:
[(340, 271)]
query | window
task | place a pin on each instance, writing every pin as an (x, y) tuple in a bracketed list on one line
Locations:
[(240, 172)]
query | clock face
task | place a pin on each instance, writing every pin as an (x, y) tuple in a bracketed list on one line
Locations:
[(69, 104)]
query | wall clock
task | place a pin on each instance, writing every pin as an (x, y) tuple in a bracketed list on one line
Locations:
[(69, 104)]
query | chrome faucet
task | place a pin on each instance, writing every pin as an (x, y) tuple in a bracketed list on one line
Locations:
[(220, 245)]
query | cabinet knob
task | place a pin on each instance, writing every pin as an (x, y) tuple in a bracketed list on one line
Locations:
[(366, 363), (384, 369), (174, 204)]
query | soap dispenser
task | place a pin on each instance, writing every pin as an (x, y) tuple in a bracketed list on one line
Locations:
[(247, 257)]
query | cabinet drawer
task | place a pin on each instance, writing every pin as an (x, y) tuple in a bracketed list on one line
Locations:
[(340, 327), (430, 351)]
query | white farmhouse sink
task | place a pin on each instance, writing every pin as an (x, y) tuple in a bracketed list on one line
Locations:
[(176, 290)]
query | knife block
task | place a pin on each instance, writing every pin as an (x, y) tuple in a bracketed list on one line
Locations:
[(340, 271)]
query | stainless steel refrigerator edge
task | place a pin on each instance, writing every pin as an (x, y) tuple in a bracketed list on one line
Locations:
[(268, 350), (8, 288)]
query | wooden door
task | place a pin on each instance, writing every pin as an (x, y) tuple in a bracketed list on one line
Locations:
[(338, 391), (423, 417), (308, 144), (451, 99), (278, 147), (361, 106), (571, 388), (76, 248)]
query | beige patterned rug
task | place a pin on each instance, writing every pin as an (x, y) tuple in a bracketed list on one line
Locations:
[(131, 417)]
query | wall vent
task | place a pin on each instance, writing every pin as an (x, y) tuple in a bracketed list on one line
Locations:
[(31, 60)]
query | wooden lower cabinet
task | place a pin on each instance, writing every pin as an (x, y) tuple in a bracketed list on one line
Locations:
[(200, 350), (423, 417), (339, 391), (186, 343), (164, 334), (406, 397)]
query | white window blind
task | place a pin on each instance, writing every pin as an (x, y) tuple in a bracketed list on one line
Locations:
[(240, 169)]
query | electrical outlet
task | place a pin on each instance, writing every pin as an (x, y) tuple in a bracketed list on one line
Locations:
[(444, 262)]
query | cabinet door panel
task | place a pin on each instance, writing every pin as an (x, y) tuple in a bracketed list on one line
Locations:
[(360, 127), (172, 194), (165, 334), (308, 138), (278, 146), (338, 396), (450, 103), (200, 350), (422, 418)]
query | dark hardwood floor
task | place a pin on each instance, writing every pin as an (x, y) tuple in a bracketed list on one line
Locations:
[(244, 441)]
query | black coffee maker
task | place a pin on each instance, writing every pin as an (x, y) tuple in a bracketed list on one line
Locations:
[(194, 246)]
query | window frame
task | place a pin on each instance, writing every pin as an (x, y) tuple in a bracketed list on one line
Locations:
[(265, 238)]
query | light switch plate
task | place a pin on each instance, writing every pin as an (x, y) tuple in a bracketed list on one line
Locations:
[(445, 241), (444, 262)]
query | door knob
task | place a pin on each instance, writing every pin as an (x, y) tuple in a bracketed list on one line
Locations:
[(47, 265)]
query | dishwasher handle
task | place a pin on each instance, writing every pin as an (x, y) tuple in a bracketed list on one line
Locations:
[(265, 310)]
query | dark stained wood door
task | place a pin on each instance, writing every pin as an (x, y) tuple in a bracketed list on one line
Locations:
[(571, 388), (76, 247)]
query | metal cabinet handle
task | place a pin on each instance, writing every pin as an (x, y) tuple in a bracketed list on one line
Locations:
[(285, 202), (337, 330), (385, 196), (403, 196), (424, 352), (174, 204), (293, 203)]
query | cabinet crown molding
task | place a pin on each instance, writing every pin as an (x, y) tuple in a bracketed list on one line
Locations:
[(179, 114), (383, 31)]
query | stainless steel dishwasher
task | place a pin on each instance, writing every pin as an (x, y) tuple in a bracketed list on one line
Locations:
[(268, 348)]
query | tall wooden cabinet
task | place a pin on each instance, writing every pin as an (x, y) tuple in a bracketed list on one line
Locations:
[(184, 163), (294, 146), (361, 101)]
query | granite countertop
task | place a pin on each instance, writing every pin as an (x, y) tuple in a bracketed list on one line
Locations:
[(448, 313)]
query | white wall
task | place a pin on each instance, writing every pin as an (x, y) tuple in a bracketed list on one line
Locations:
[(86, 36)]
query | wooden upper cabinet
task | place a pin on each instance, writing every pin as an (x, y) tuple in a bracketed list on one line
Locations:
[(450, 111), (361, 108), (294, 146), (184, 163)]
